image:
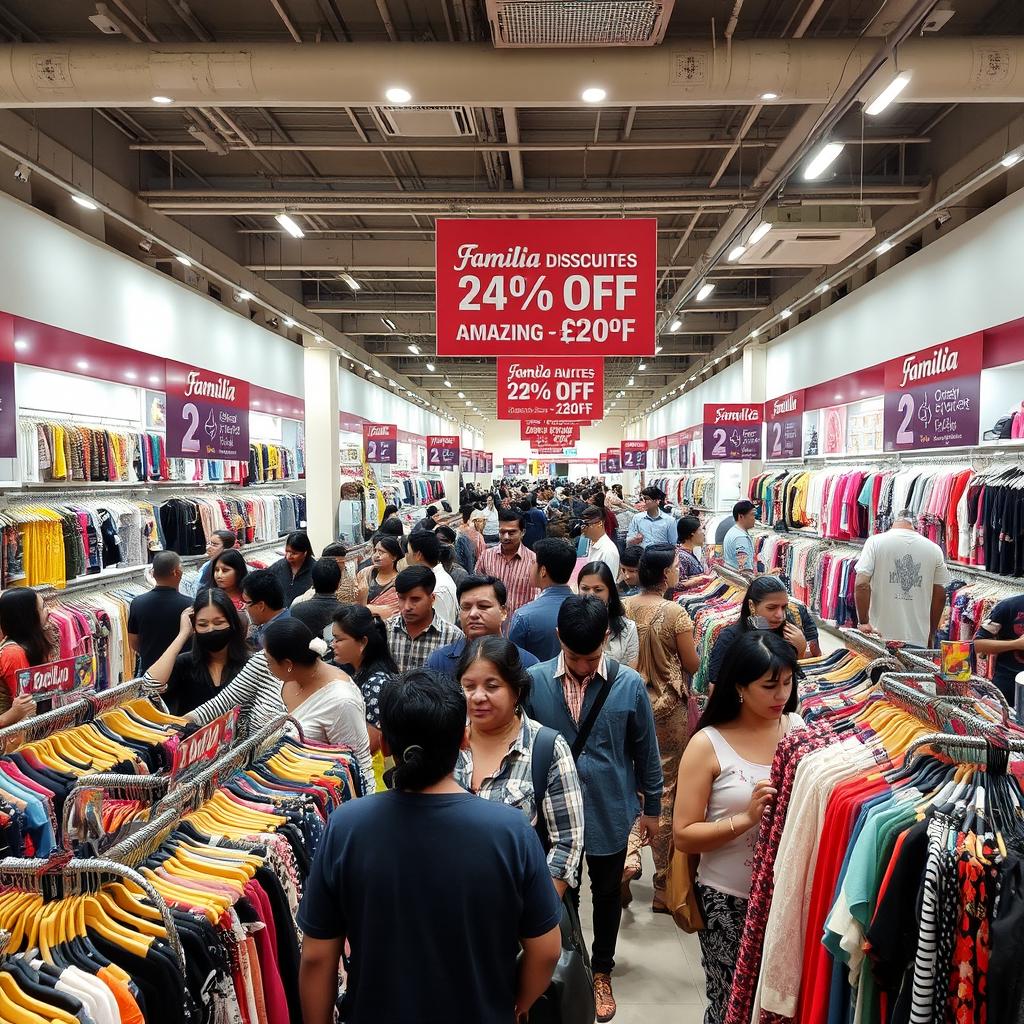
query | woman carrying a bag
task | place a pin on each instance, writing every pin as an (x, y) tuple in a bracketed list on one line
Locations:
[(668, 657)]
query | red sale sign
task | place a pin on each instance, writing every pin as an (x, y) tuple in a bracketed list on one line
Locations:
[(785, 418), (205, 743), (544, 432), (546, 287), (634, 454), (380, 442), (443, 451), (572, 388), (602, 463)]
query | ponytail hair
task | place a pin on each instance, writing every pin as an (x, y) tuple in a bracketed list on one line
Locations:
[(423, 719)]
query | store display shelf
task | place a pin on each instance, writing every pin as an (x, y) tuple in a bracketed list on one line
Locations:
[(140, 487), (964, 453)]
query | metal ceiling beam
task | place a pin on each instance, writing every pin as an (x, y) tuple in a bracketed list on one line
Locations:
[(677, 73)]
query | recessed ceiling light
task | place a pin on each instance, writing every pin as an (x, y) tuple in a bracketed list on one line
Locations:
[(130, 375), (468, 402), (318, 339), (888, 94), (290, 226), (389, 324), (1010, 159), (838, 398), (21, 346), (462, 394), (82, 364), (396, 94), (162, 100), (447, 383), (642, 366), (594, 94), (430, 367), (705, 291), (736, 252), (822, 159), (350, 281), (883, 248), (786, 313), (184, 261), (154, 379), (242, 295), (657, 349), (414, 349), (376, 373), (769, 96), (257, 404), (87, 203), (630, 382), (675, 325)]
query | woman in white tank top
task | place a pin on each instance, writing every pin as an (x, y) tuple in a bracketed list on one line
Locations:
[(723, 789)]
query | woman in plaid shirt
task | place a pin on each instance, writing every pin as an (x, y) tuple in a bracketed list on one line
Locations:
[(499, 762)]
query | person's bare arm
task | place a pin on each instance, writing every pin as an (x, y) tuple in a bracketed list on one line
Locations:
[(318, 979), (687, 649), (161, 669), (133, 643), (984, 645), (862, 596), (540, 955), (938, 605)]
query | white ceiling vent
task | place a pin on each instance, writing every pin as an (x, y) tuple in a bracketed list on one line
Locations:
[(809, 236), (578, 22), (441, 122)]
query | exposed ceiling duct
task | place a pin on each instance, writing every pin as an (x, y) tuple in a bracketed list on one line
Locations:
[(692, 73)]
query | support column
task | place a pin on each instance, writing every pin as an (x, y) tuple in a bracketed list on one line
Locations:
[(323, 454)]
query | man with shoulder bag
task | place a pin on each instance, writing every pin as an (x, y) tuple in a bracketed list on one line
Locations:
[(602, 710)]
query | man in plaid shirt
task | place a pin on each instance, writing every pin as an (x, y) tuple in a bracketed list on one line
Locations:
[(417, 631), (511, 561)]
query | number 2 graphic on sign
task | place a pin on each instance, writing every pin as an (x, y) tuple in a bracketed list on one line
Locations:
[(190, 443), (905, 435), (719, 448), (776, 439), (371, 452)]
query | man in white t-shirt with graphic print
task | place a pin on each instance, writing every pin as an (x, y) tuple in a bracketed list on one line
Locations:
[(901, 581)]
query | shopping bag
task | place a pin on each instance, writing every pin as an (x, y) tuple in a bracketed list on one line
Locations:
[(680, 893)]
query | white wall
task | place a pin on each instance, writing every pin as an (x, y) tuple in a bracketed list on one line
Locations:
[(502, 438), (57, 276), (362, 398), (688, 410), (967, 281)]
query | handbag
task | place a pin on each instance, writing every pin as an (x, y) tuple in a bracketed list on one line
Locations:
[(680, 891)]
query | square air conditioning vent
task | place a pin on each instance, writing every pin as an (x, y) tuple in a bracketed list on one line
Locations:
[(578, 22), (441, 122), (810, 236)]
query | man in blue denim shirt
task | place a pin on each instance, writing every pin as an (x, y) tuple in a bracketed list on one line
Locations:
[(532, 625), (619, 760)]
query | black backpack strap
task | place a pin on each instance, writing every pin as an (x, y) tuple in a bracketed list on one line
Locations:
[(587, 725), (542, 755)]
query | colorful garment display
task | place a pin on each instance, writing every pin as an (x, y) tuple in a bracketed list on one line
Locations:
[(694, 489)]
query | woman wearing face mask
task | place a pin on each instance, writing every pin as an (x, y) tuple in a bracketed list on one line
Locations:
[(321, 697), (218, 653), (229, 570), (375, 585), (295, 571), (25, 642), (765, 607), (623, 644)]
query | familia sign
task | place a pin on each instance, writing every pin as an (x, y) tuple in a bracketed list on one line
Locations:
[(634, 454), (380, 443), (565, 389), (207, 414), (443, 451), (785, 418), (732, 432)]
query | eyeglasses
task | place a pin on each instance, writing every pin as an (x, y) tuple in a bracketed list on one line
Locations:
[(248, 604)]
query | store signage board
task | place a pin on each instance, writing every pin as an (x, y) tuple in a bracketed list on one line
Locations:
[(205, 743), (479, 461), (546, 287), (785, 418), (602, 462), (443, 451), (549, 387), (732, 432), (932, 396), (661, 451), (488, 462), (614, 460), (380, 443), (514, 467), (43, 682), (207, 414), (549, 432), (634, 454), (8, 413), (467, 460)]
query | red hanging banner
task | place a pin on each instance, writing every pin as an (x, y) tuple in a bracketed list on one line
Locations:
[(602, 463), (732, 432), (614, 457), (380, 442), (634, 454), (546, 287), (443, 451), (570, 388)]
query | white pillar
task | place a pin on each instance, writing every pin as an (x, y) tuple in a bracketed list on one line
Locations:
[(323, 454)]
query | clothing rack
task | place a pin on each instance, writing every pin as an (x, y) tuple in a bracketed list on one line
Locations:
[(951, 744)]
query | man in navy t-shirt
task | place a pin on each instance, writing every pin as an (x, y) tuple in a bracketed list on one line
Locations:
[(434, 889), (1002, 635)]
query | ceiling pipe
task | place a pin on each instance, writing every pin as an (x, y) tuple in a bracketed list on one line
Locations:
[(680, 73)]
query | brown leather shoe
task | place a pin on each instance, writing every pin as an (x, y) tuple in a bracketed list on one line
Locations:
[(603, 997)]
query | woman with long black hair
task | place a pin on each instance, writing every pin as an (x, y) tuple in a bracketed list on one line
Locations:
[(24, 643), (295, 571), (623, 644), (228, 573), (217, 654), (724, 787)]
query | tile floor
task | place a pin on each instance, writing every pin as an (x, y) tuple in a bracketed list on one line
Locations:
[(658, 978)]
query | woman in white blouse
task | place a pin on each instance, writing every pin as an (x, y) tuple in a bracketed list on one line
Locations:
[(623, 643), (323, 699)]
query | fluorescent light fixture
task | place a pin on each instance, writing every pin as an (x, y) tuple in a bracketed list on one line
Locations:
[(769, 96), (1010, 159), (414, 349), (21, 346), (184, 261), (675, 325), (396, 94), (786, 313), (462, 394), (162, 100), (759, 232), (447, 383), (430, 367), (376, 373), (642, 366), (389, 324), (657, 349), (130, 375), (595, 94), (630, 382), (821, 289), (755, 332), (82, 364), (87, 203), (884, 247), (290, 226), (705, 290), (350, 281), (289, 322), (736, 252), (888, 94), (822, 160)]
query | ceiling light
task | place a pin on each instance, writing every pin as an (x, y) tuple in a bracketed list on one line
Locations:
[(705, 290), (396, 94), (376, 373), (888, 94), (22, 346), (162, 100), (884, 247), (82, 201), (447, 383), (734, 350), (184, 261), (462, 394), (319, 340), (257, 404), (823, 158), (630, 382), (289, 322), (675, 325), (786, 313), (430, 367), (242, 295), (414, 349), (1010, 159), (755, 332), (389, 324), (130, 375), (735, 253), (769, 96), (613, 405), (642, 366), (468, 402), (350, 281), (595, 94), (759, 232), (837, 398), (657, 349), (821, 289), (82, 364), (289, 225)]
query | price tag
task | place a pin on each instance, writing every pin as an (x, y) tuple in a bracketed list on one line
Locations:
[(205, 744), (43, 682)]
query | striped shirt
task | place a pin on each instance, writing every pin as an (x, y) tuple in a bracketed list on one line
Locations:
[(512, 784), (515, 572), (574, 688), (254, 691), (413, 652)]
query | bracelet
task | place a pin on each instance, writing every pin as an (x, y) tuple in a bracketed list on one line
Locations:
[(731, 825)]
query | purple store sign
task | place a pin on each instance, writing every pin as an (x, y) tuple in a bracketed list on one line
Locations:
[(785, 418), (207, 414), (732, 432), (8, 413)]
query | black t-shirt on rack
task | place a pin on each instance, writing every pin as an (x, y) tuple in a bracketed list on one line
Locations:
[(187, 688), (155, 618)]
